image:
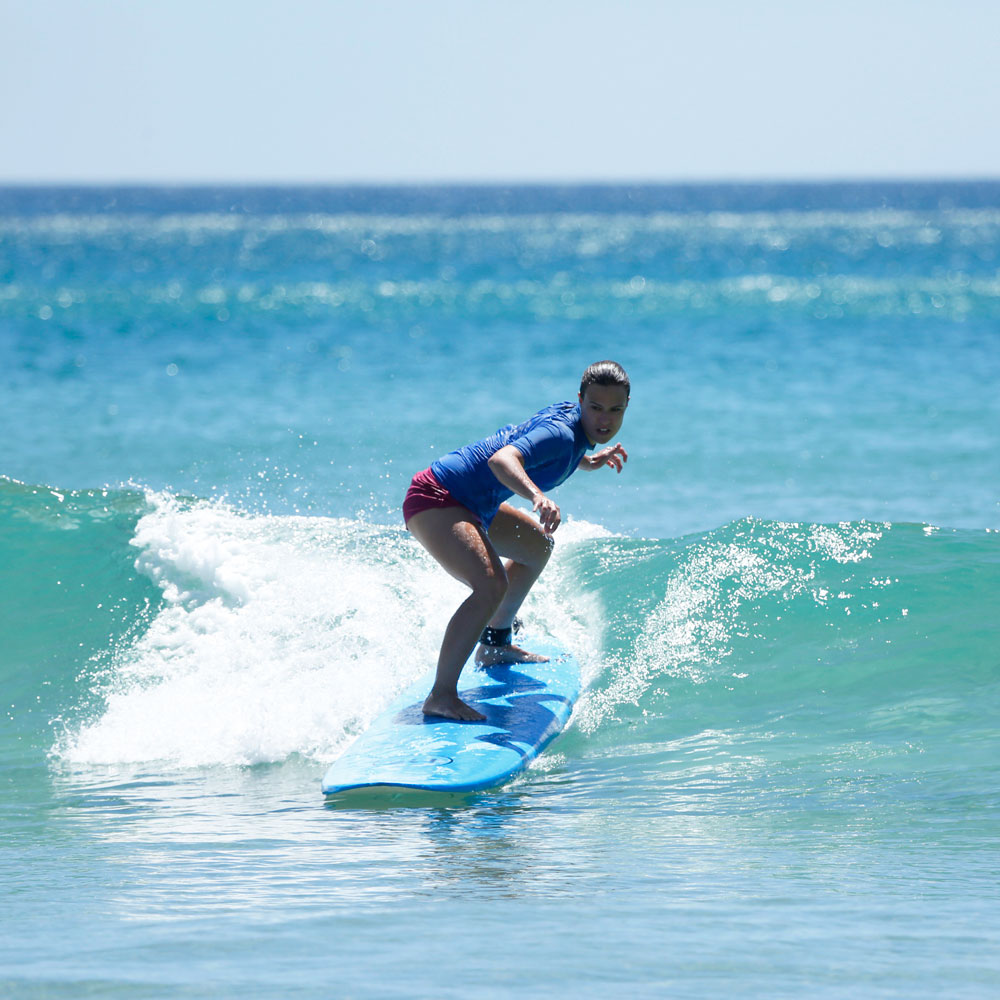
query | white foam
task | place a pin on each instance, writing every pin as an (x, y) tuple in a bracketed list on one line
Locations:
[(690, 632), (278, 636)]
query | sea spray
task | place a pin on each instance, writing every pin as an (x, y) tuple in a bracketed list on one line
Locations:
[(276, 636), (202, 634), (757, 607)]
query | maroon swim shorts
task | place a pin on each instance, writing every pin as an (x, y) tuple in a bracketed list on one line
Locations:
[(424, 493)]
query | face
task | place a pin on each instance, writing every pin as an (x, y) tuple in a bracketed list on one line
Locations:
[(602, 408)]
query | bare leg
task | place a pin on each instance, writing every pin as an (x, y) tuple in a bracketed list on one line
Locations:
[(516, 534), (457, 541)]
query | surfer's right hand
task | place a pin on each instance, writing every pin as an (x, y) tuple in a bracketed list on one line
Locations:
[(548, 513)]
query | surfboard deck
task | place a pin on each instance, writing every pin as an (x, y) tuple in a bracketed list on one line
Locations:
[(526, 707)]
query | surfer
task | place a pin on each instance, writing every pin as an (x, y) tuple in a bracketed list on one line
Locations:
[(456, 509)]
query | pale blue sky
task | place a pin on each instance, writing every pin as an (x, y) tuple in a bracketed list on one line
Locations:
[(440, 90)]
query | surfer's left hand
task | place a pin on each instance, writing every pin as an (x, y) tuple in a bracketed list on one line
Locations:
[(615, 456)]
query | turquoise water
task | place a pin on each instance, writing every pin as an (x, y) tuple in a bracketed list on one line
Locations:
[(782, 777)]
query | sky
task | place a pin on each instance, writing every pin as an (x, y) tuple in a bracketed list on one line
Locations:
[(385, 91)]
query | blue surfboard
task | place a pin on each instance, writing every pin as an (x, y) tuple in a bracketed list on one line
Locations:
[(526, 706)]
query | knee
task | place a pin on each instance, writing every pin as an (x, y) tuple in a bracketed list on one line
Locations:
[(493, 588), (549, 543), (541, 552)]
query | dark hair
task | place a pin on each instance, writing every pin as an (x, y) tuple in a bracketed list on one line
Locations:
[(605, 373)]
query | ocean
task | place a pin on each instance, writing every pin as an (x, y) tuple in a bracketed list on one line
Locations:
[(783, 776)]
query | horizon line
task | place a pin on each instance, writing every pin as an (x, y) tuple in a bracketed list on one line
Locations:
[(761, 181)]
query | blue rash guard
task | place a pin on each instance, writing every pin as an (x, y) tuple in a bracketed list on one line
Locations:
[(552, 442)]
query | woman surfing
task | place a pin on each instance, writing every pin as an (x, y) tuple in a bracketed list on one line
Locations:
[(456, 509)]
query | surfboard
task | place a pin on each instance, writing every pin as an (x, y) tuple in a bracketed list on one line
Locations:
[(526, 706)]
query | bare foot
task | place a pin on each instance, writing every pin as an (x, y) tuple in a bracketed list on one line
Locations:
[(487, 656), (451, 707)]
